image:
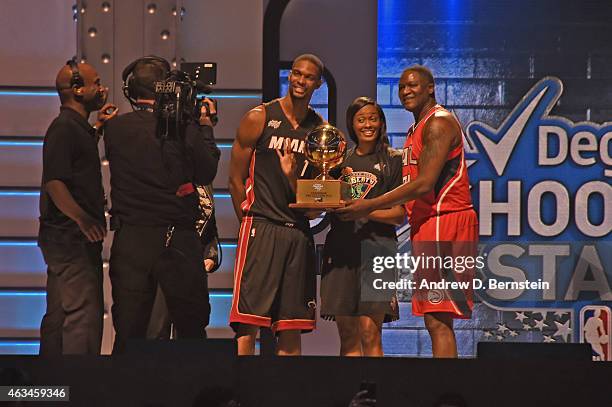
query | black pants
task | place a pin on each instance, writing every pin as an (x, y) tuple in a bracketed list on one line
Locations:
[(75, 303), (160, 325), (139, 262)]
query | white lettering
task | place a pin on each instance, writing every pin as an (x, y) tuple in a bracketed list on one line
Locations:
[(543, 133), (604, 152), (276, 142), (534, 215), (589, 260), (511, 208), (577, 147), (582, 208), (502, 270), (549, 255)]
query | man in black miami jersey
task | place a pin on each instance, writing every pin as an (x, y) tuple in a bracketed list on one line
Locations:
[(274, 273)]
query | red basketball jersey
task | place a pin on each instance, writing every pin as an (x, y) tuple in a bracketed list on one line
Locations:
[(452, 189)]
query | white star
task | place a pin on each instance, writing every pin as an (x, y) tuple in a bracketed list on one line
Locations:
[(487, 334), (543, 313), (514, 334), (540, 324), (526, 327), (548, 339), (520, 316), (560, 314), (502, 328), (499, 338), (563, 330)]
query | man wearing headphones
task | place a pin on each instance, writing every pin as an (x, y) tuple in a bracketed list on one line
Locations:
[(72, 223), (154, 210)]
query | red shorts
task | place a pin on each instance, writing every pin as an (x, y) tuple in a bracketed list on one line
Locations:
[(447, 245)]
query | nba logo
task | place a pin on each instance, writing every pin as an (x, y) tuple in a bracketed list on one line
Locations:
[(595, 330)]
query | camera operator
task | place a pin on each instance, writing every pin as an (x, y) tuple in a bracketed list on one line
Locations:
[(154, 210)]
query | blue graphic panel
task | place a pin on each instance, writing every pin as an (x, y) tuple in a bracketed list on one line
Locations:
[(536, 109)]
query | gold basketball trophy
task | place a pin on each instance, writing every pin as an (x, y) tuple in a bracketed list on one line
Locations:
[(324, 148)]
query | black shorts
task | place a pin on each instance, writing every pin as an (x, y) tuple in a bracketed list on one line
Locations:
[(274, 277), (346, 286)]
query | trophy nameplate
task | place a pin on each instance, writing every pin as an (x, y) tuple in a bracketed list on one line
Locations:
[(314, 193), (324, 148)]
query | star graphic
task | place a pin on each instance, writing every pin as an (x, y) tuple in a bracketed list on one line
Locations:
[(499, 338), (526, 327), (548, 339), (540, 324), (487, 334), (520, 316), (563, 330), (502, 328), (560, 314), (514, 334), (543, 313)]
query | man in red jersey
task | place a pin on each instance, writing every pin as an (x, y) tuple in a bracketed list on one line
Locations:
[(437, 198)]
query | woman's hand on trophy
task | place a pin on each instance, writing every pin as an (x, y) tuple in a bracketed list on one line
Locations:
[(354, 209)]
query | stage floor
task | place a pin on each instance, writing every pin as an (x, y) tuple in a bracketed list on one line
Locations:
[(175, 377)]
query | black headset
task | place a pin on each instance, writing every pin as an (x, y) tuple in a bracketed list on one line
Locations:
[(128, 76), (76, 79)]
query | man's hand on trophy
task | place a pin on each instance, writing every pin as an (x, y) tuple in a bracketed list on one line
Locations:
[(355, 209), (287, 161)]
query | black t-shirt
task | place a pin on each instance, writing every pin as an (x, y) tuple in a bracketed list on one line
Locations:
[(367, 180), (268, 191), (70, 155), (146, 171)]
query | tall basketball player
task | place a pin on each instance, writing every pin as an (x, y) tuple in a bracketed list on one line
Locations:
[(274, 274)]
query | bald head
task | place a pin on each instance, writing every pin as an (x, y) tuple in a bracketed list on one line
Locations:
[(62, 80), (64, 76), (91, 95)]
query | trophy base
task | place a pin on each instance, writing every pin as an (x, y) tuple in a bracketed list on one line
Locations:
[(317, 205), (321, 194)]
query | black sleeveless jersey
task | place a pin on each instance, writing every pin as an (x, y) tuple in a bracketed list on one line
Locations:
[(367, 180), (268, 193)]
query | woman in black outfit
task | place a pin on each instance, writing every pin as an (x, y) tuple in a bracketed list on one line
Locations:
[(347, 294)]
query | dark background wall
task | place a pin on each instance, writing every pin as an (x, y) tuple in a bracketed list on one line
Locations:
[(486, 55), (343, 34)]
